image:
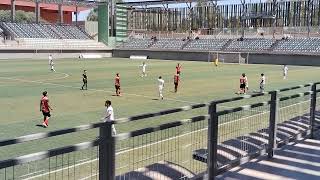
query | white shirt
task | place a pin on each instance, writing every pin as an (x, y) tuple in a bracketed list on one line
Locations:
[(50, 60), (285, 70), (143, 67), (160, 83), (108, 111), (263, 80)]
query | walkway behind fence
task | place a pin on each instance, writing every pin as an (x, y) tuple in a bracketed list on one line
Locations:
[(187, 148)]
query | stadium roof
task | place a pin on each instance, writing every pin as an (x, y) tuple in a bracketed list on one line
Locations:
[(46, 6), (81, 3), (157, 2)]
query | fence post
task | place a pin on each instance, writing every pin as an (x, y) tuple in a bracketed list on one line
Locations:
[(274, 108), (212, 161), (106, 153), (313, 109)]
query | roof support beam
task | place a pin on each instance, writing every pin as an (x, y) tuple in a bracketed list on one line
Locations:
[(37, 11), (13, 10)]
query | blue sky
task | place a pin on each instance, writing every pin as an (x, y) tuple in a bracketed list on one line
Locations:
[(83, 15)]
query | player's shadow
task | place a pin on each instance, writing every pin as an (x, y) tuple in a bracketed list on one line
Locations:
[(39, 125), (155, 99)]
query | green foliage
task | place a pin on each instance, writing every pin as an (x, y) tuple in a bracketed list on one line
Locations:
[(21, 16), (93, 15)]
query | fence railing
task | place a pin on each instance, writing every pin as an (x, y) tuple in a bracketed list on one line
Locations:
[(234, 131)]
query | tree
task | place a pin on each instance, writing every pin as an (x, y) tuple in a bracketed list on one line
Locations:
[(93, 15), (21, 16)]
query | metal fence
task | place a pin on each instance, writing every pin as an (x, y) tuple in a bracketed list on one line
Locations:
[(196, 145)]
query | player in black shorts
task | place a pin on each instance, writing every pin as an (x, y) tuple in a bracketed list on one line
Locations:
[(243, 84), (85, 80)]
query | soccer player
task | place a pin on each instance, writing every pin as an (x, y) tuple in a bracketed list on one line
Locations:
[(117, 84), (176, 80), (178, 68), (109, 115), (84, 80), (45, 108), (242, 84), (161, 86), (51, 63), (247, 83), (285, 71), (262, 83), (143, 66), (216, 62)]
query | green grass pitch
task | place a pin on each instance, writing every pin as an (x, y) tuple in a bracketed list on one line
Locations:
[(22, 82)]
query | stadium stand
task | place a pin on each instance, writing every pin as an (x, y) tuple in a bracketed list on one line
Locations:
[(47, 36), (168, 43), (206, 44), (254, 44), (311, 45), (137, 43), (37, 43), (19, 30)]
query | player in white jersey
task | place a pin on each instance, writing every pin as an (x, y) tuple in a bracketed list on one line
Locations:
[(247, 83), (285, 71), (161, 86), (109, 115), (143, 69), (51, 63), (262, 83)]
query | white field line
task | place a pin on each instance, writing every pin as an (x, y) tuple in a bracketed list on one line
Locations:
[(168, 139), (96, 90), (58, 78)]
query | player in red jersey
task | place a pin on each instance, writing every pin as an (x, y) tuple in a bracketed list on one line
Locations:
[(117, 84), (176, 80), (243, 84), (178, 68), (45, 108)]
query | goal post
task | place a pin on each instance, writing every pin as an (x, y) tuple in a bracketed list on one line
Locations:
[(228, 57)]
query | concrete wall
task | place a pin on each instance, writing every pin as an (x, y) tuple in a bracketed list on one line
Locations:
[(254, 58), (43, 54)]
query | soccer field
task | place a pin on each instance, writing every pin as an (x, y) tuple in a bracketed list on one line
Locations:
[(23, 81)]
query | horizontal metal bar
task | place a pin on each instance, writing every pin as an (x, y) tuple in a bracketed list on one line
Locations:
[(261, 94), (246, 107), (296, 95), (46, 154), (159, 128), (38, 136), (295, 87), (239, 98), (161, 113)]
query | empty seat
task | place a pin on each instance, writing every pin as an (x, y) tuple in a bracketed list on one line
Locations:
[(310, 45), (136, 43), (206, 44), (254, 44), (168, 43), (21, 30)]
